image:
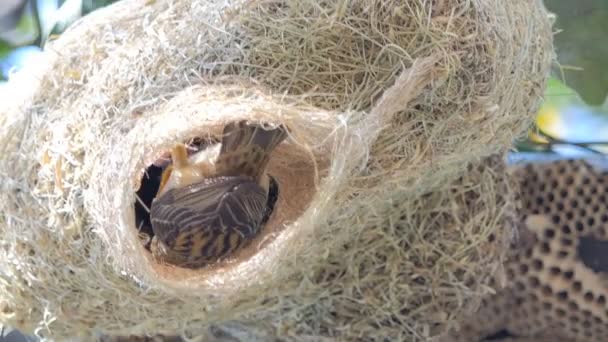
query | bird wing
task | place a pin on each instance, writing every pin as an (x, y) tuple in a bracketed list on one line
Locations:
[(237, 135), (246, 148), (193, 219)]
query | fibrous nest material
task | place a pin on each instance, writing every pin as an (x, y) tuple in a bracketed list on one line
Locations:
[(390, 218), (557, 287)]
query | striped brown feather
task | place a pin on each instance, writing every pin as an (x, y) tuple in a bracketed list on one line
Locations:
[(199, 220), (246, 148)]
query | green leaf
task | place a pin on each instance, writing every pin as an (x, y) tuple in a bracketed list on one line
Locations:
[(5, 48), (581, 47), (558, 94)]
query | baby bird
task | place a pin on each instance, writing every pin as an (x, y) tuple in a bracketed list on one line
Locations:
[(207, 207)]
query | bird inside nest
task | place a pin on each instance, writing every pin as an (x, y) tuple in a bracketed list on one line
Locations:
[(213, 202)]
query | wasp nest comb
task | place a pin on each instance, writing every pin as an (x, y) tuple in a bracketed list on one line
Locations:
[(556, 278), (389, 220)]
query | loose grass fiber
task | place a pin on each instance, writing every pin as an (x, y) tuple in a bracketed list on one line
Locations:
[(390, 220)]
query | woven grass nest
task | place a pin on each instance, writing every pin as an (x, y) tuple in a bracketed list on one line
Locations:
[(392, 214)]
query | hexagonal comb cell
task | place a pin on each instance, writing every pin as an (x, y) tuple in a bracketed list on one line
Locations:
[(557, 285)]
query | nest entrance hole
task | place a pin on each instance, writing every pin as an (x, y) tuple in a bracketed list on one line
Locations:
[(295, 172), (150, 184)]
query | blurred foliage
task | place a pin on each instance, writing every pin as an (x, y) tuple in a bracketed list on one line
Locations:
[(24, 31), (581, 48), (566, 124), (573, 119)]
